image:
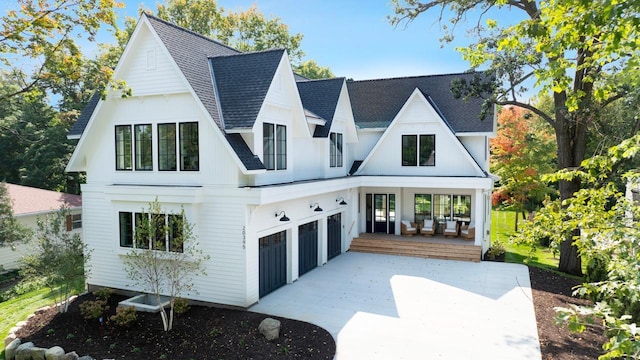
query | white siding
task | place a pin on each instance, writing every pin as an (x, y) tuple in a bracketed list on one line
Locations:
[(419, 118), (147, 69), (367, 139), (478, 148)]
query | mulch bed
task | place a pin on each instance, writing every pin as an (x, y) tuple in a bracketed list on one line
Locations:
[(557, 342), (213, 333), (200, 333)]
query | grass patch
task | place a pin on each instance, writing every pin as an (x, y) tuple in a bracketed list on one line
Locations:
[(18, 308)]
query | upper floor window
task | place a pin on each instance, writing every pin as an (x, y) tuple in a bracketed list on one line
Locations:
[(274, 142), (123, 147), (143, 148), (167, 147), (418, 150), (189, 147), (335, 150)]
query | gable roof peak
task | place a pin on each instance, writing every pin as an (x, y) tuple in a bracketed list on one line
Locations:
[(165, 22)]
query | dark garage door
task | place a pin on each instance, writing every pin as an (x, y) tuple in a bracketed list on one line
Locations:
[(334, 236), (273, 262), (307, 247)]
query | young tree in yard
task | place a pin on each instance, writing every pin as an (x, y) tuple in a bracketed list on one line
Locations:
[(586, 53), (521, 153), (58, 256), (11, 231), (310, 69), (166, 257), (610, 238)]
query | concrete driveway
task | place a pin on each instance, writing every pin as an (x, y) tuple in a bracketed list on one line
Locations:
[(394, 307)]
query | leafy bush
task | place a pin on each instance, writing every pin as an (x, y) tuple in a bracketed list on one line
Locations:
[(180, 305), (103, 293), (93, 309), (125, 316), (597, 268), (495, 250)]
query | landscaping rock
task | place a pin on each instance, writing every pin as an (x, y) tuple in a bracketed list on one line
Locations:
[(10, 350), (71, 356), (270, 328), (24, 351), (38, 353), (54, 353), (9, 339)]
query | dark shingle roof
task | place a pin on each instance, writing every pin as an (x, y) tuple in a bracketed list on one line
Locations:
[(321, 97), (242, 83), (250, 161), (191, 52), (78, 127), (376, 102)]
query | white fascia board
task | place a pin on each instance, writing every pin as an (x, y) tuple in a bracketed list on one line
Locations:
[(474, 134)]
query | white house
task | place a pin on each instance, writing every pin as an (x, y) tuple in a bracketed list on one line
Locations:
[(278, 173), (28, 204)]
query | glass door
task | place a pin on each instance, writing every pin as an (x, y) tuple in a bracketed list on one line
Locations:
[(380, 213)]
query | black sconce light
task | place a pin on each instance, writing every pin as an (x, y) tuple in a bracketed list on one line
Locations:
[(342, 202), (284, 216), (317, 207)]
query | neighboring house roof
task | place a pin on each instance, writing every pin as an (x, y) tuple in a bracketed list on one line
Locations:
[(242, 82), (376, 102), (321, 97), (29, 200)]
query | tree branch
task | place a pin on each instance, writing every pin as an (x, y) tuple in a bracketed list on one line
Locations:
[(529, 107)]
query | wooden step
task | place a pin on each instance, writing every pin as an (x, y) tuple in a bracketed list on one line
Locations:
[(424, 249)]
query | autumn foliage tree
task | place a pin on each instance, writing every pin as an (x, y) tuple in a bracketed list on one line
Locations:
[(521, 153)]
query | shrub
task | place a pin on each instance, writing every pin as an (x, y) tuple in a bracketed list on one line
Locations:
[(103, 293), (93, 309), (495, 250), (181, 305), (125, 316), (597, 268)]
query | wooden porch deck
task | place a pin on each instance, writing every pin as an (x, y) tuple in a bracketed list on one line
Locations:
[(436, 247)]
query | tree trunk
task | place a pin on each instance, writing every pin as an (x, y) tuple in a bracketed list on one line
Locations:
[(516, 224), (572, 141)]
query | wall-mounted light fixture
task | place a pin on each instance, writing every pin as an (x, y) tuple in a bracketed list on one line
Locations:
[(317, 207), (284, 216), (342, 202)]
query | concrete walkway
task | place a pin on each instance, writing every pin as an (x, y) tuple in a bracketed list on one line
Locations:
[(394, 307)]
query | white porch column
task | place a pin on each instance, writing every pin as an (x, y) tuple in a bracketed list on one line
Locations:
[(479, 217)]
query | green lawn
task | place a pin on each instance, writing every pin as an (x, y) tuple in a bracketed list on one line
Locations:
[(18, 308), (502, 228)]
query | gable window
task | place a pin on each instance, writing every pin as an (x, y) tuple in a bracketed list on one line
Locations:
[(335, 150), (166, 147), (189, 147), (168, 232), (123, 147), (74, 222), (418, 150), (143, 148), (274, 146)]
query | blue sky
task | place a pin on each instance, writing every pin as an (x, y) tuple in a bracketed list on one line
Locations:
[(353, 37)]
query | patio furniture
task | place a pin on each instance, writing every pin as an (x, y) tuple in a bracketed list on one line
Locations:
[(428, 228), (468, 231), (451, 229), (408, 228)]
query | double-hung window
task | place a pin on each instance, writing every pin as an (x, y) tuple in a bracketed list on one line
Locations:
[(274, 146), (335, 150), (189, 147), (418, 150), (167, 147)]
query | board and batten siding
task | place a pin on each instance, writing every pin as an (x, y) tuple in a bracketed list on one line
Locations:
[(419, 119), (147, 69), (154, 110)]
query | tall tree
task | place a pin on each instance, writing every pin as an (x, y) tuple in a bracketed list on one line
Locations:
[(40, 35), (584, 52), (521, 153), (11, 231), (310, 69)]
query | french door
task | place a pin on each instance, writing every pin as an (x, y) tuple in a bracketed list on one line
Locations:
[(380, 213)]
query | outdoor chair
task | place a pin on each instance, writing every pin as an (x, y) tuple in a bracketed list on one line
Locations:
[(451, 229), (468, 231), (428, 228), (408, 228)]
